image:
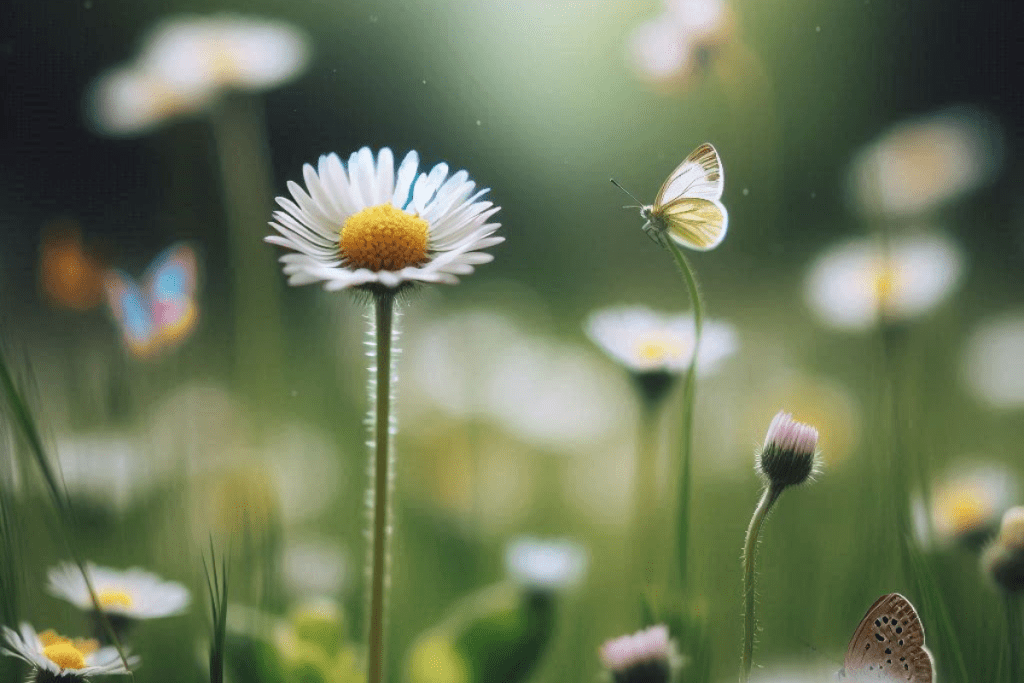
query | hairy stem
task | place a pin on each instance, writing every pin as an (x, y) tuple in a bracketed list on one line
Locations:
[(645, 499), (771, 494), (381, 522)]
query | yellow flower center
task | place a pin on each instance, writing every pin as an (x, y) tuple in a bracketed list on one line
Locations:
[(885, 282), (65, 655), (967, 511), (384, 238), (656, 350), (114, 598)]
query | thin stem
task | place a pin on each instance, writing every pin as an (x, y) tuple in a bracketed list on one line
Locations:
[(239, 133), (689, 396), (645, 498), (381, 487), (771, 494), (1015, 632)]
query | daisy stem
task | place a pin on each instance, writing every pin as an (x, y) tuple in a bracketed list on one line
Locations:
[(239, 133), (689, 394), (768, 498), (1015, 632), (381, 530), (645, 498)]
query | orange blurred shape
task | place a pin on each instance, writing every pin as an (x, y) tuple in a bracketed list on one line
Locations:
[(70, 277)]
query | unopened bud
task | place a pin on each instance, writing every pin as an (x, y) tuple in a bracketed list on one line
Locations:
[(787, 458), (1003, 560)]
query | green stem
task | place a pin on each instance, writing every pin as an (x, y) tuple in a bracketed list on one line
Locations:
[(645, 499), (771, 494), (1015, 632), (244, 160), (381, 488), (689, 396)]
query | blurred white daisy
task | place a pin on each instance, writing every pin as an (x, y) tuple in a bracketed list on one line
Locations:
[(645, 341), (545, 565), (673, 45), (131, 593), (920, 164), (108, 468), (369, 224), (859, 283), (207, 54), (129, 100), (313, 567), (186, 62), (992, 364), (56, 658), (966, 505)]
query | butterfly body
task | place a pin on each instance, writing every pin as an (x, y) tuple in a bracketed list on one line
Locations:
[(158, 314), (687, 209), (888, 645)]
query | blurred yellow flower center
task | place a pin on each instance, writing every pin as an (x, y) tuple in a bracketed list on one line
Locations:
[(657, 350), (384, 238), (65, 655), (114, 598), (885, 281), (966, 510)]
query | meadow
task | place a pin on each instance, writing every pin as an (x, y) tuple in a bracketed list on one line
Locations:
[(330, 354)]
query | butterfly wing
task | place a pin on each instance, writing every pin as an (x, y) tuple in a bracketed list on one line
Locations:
[(693, 222), (700, 175), (888, 645), (131, 310), (171, 283)]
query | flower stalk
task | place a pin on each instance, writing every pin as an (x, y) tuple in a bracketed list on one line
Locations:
[(768, 498), (381, 513), (689, 397)]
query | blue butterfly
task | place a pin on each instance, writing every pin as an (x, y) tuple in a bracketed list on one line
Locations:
[(162, 312)]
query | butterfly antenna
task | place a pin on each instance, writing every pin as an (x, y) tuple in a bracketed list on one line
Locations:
[(616, 184)]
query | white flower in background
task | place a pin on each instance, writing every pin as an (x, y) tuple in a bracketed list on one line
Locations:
[(208, 54), (921, 164), (966, 505), (131, 593), (487, 365), (314, 567), (859, 283), (643, 340), (369, 224), (54, 657), (108, 468), (992, 364), (186, 62), (128, 100), (545, 565), (672, 46)]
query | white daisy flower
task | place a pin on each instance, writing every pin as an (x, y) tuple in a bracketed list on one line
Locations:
[(671, 46), (366, 224), (132, 593), (186, 62), (920, 164), (546, 565), (646, 341), (56, 658), (208, 54), (966, 505), (992, 367), (129, 100), (858, 283)]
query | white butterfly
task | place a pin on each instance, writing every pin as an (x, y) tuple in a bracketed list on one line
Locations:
[(687, 208), (888, 645)]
